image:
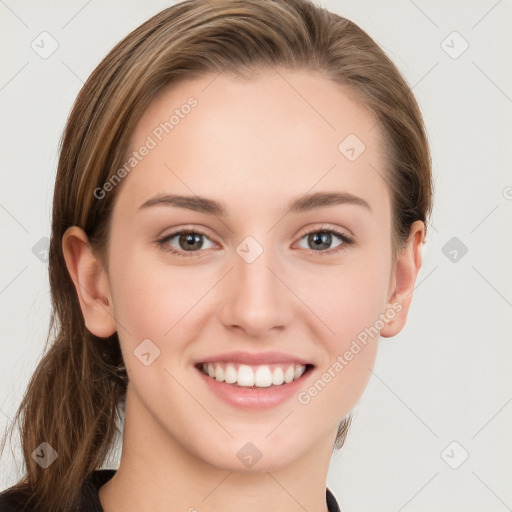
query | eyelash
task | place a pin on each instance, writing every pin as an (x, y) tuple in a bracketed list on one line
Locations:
[(346, 240)]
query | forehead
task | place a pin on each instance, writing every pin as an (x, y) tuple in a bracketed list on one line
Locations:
[(277, 135)]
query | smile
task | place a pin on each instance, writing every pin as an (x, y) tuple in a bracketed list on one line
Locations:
[(254, 376)]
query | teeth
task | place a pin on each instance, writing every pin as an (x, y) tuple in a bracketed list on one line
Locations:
[(263, 377), (298, 372), (277, 377), (245, 376), (289, 374), (260, 376), (219, 372), (230, 376)]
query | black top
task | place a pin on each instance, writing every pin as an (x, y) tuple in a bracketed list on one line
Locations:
[(90, 502)]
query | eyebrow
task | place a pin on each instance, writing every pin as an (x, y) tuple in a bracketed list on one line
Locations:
[(301, 204)]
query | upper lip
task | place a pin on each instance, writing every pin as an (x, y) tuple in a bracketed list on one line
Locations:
[(255, 358)]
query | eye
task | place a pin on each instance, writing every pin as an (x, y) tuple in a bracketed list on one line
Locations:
[(322, 238), (191, 241), (188, 241)]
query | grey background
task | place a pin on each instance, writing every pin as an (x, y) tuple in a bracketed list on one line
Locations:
[(446, 377)]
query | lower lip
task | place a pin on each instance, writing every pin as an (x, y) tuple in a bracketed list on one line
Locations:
[(254, 398)]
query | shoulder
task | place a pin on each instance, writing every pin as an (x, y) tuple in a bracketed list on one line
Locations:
[(12, 501), (332, 504), (9, 502), (89, 499)]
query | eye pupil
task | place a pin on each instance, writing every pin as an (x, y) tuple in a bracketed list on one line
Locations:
[(188, 240), (319, 239)]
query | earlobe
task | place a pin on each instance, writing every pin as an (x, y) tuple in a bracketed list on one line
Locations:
[(403, 281), (91, 283)]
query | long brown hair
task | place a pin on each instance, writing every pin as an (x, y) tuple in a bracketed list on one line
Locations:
[(75, 396)]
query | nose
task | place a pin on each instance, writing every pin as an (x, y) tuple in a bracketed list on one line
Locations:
[(256, 298)]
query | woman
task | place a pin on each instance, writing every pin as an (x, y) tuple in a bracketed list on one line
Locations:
[(239, 210)]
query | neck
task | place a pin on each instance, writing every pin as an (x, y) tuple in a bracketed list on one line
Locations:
[(158, 472)]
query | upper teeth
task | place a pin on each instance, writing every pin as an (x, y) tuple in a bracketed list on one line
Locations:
[(261, 376)]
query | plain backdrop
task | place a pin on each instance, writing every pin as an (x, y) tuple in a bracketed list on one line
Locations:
[(432, 429)]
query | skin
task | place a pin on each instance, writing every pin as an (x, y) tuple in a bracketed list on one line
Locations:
[(253, 145)]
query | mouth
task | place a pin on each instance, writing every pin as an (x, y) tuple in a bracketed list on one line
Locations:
[(255, 376)]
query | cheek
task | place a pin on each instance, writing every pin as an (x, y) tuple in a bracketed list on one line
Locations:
[(149, 297), (351, 310), (152, 294), (153, 302), (351, 296)]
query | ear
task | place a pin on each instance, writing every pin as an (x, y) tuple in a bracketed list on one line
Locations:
[(91, 283), (403, 279)]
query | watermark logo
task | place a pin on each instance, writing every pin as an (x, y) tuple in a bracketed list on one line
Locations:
[(249, 455), (146, 352), (44, 455), (351, 147), (454, 249), (455, 455), (44, 45), (41, 248), (454, 45), (249, 249)]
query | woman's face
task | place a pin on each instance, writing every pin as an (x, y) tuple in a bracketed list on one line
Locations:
[(261, 276)]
